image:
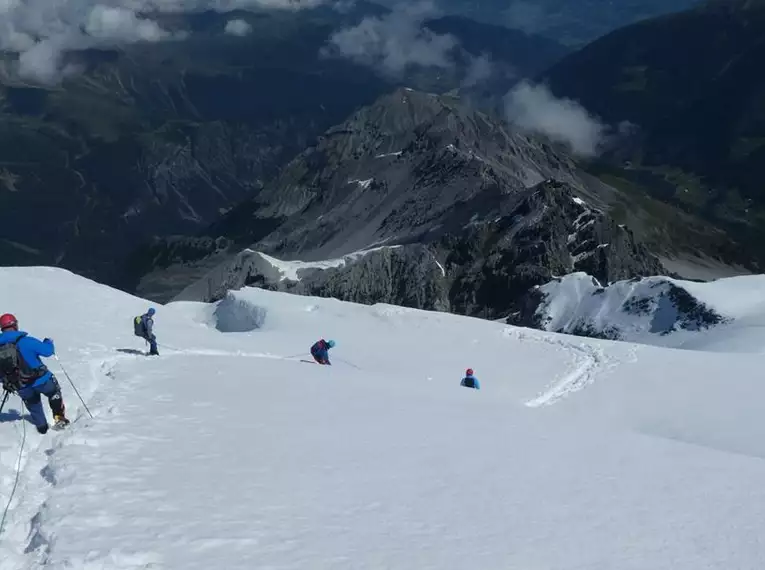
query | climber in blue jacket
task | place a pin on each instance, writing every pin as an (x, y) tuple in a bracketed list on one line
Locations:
[(144, 328), (320, 351), (470, 381), (23, 372)]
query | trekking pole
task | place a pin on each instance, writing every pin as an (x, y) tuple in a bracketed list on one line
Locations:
[(348, 363), (293, 355), (5, 399), (72, 383)]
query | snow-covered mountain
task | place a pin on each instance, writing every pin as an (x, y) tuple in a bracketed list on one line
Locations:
[(229, 452), (727, 314)]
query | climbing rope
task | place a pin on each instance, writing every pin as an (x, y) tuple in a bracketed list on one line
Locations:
[(16, 478)]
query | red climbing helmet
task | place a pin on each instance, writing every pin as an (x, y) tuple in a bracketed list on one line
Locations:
[(469, 372), (8, 321)]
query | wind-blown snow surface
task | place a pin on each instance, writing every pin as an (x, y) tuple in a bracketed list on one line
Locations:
[(228, 452)]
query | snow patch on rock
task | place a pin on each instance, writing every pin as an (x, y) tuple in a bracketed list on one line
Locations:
[(654, 310)]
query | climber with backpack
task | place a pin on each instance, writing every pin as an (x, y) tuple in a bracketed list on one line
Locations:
[(23, 372), (143, 326), (470, 381), (320, 351)]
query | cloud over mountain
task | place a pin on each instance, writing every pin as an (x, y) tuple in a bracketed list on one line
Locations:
[(41, 31)]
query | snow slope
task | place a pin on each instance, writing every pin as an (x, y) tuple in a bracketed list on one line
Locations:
[(727, 315), (229, 452)]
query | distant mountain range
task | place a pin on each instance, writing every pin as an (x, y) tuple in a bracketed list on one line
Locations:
[(415, 200), (161, 139), (571, 23), (693, 86)]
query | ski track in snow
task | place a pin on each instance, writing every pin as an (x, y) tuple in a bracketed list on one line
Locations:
[(42, 473), (589, 362)]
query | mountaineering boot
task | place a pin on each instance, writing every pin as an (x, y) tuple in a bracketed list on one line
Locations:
[(60, 422), (43, 429)]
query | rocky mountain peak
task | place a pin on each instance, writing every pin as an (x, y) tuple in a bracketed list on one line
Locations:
[(420, 201), (390, 173), (485, 260)]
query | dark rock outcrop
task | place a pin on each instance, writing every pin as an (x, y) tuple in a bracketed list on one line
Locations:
[(549, 233), (488, 268)]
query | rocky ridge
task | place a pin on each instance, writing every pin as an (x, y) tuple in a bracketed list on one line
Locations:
[(488, 268)]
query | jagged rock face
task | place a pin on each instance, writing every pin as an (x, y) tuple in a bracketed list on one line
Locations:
[(398, 171), (488, 268), (472, 216), (550, 232), (404, 275), (407, 276)]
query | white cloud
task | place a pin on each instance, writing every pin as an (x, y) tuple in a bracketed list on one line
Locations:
[(121, 25), (479, 70), (395, 41), (224, 5), (41, 62), (526, 15), (238, 28), (534, 108), (40, 31)]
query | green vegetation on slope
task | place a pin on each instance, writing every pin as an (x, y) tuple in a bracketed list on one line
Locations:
[(693, 84)]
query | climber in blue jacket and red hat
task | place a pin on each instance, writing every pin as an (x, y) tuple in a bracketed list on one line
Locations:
[(22, 371), (320, 351), (470, 381)]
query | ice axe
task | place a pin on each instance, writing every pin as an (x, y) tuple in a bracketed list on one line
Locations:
[(76, 391)]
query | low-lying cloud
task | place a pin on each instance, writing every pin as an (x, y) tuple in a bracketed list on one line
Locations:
[(393, 42), (238, 28), (41, 31), (479, 70), (526, 15), (121, 25), (535, 109)]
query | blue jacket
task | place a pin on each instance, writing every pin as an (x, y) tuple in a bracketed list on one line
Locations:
[(148, 325), (320, 350), (471, 382), (31, 349)]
